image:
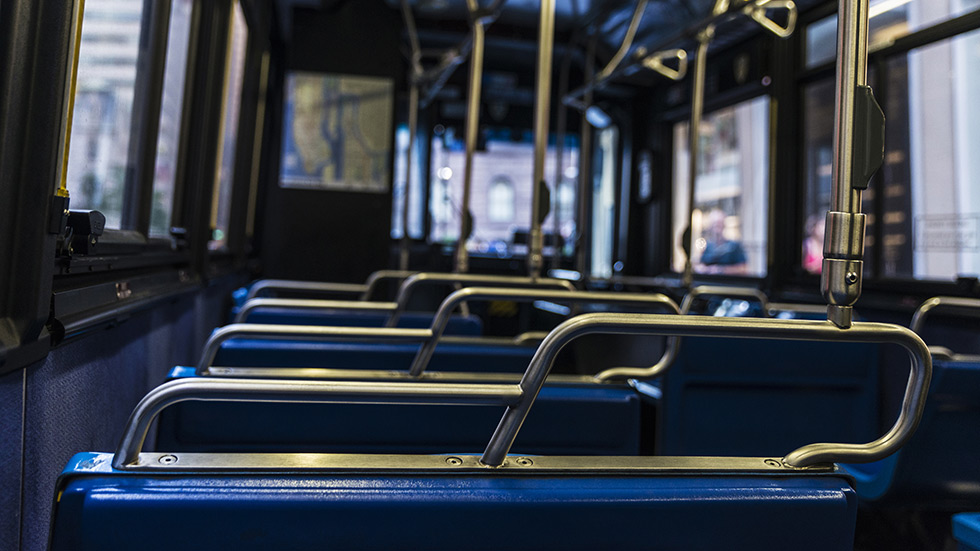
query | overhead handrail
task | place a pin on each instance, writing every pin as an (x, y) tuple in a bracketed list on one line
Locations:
[(755, 328), (408, 286), (728, 292), (519, 398), (655, 62), (311, 304), (723, 12), (441, 319), (958, 306), (638, 11), (756, 10)]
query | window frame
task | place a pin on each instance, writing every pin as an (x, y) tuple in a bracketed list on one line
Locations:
[(878, 59)]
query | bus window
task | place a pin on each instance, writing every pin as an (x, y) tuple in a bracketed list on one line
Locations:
[(171, 107), (931, 190), (103, 106), (731, 192), (225, 169)]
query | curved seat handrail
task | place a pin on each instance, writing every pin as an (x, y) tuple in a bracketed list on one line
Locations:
[(519, 398), (432, 278), (690, 326), (722, 291), (374, 280), (311, 304), (253, 390), (304, 332), (959, 306), (296, 285), (467, 294)]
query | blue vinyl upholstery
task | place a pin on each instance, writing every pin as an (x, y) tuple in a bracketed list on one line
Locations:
[(566, 420), (98, 509), (966, 530), (498, 358), (939, 468), (763, 397)]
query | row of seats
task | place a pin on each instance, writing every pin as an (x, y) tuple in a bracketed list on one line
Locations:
[(719, 397)]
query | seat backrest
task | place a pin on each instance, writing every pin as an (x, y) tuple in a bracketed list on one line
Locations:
[(99, 508), (756, 397), (939, 468)]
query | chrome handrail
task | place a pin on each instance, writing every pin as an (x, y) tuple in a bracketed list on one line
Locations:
[(310, 304), (957, 304), (296, 285), (252, 390), (721, 291), (447, 307), (689, 326), (304, 332), (433, 278)]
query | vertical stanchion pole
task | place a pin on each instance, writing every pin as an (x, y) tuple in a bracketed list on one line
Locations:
[(583, 225), (472, 129), (694, 146), (413, 125), (542, 103), (858, 152), (562, 124)]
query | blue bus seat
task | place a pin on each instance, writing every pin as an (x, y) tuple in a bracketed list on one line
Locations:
[(939, 468), (751, 397), (567, 419), (497, 358), (464, 326), (966, 530), (100, 508)]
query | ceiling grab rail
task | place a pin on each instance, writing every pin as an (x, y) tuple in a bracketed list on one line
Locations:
[(441, 319), (757, 12), (541, 196), (613, 68)]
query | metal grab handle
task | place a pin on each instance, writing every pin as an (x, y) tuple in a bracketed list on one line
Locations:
[(376, 278), (655, 62), (432, 278), (447, 307), (962, 306), (311, 304), (307, 332), (291, 285), (690, 326), (252, 390), (719, 291), (757, 12)]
